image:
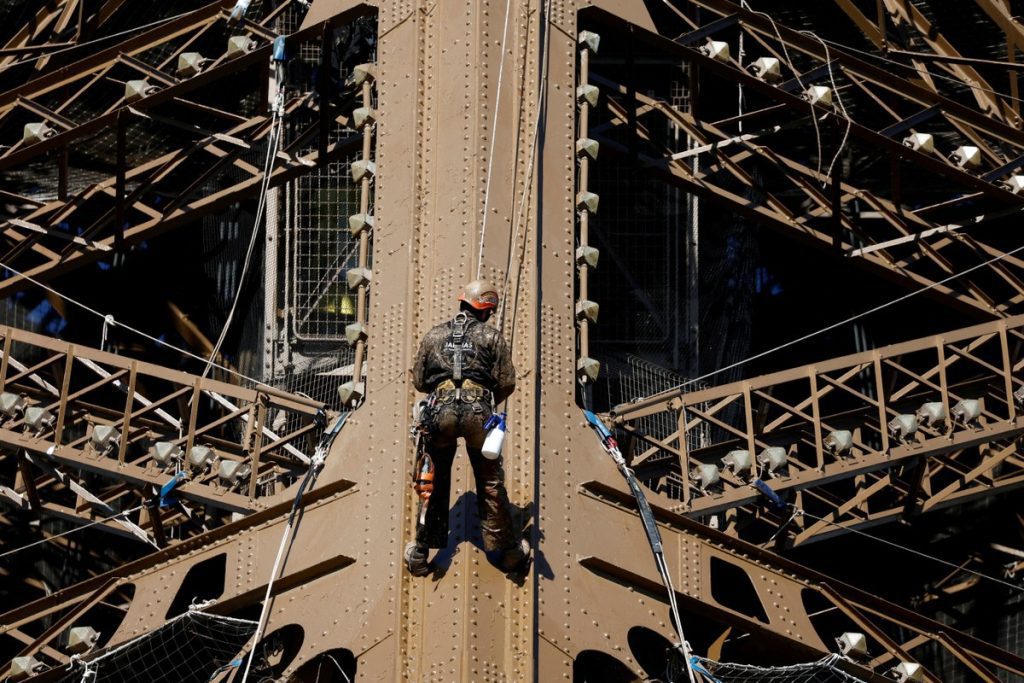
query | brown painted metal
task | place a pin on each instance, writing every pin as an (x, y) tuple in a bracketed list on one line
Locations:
[(593, 582)]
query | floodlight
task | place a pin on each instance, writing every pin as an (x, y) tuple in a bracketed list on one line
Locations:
[(774, 457), (39, 418), (819, 94), (104, 437), (201, 457), (838, 442), (716, 49), (705, 475), (165, 453), (738, 461), (853, 645), (920, 142), (36, 132), (231, 472), (767, 69), (902, 427), (82, 639), (931, 413), (966, 411), (907, 672), (967, 156), (12, 405)]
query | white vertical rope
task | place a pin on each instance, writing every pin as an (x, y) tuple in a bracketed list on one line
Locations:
[(494, 129)]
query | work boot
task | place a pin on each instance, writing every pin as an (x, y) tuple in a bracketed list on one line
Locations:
[(416, 559), (516, 559)]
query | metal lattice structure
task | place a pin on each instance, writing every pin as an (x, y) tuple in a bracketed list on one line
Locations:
[(138, 490)]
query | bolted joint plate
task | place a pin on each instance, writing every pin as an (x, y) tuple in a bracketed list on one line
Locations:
[(355, 333), (588, 93), (359, 222), (588, 310), (587, 256), (587, 201), (363, 168), (350, 393), (588, 147), (589, 40), (358, 277), (588, 369)]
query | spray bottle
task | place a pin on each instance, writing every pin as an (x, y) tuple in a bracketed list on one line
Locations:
[(495, 437)]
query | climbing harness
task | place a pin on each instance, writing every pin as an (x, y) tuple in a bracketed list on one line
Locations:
[(650, 527), (460, 325)]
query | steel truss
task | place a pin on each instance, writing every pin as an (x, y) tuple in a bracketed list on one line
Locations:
[(593, 586), (149, 196), (86, 434), (907, 237)]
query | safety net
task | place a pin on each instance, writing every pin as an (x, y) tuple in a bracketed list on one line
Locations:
[(188, 649), (822, 671)]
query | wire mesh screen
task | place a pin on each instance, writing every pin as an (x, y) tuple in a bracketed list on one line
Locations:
[(641, 378), (322, 251)]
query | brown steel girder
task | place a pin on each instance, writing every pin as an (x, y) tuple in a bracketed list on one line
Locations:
[(880, 477), (57, 468), (913, 246)]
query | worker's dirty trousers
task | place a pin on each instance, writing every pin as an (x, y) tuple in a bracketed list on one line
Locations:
[(445, 423)]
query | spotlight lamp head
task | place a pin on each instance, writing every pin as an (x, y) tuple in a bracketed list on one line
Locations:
[(853, 645), (705, 475), (903, 427), (739, 461), (774, 458), (838, 442), (931, 413), (966, 411)]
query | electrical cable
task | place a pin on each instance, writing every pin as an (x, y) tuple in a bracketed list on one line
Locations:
[(951, 79), (528, 179), (981, 575), (858, 316), (316, 463), (71, 531), (158, 22), (109, 320), (494, 130), (839, 99), (272, 147), (785, 52)]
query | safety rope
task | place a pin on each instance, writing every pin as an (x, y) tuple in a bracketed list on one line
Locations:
[(273, 144), (650, 528), (494, 130), (109, 320), (72, 531), (316, 463), (776, 501)]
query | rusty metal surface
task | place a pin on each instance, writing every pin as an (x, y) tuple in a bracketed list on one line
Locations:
[(593, 586)]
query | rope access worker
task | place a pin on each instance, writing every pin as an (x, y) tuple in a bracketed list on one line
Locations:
[(466, 368)]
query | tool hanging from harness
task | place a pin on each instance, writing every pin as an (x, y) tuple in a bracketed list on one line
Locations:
[(423, 471)]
